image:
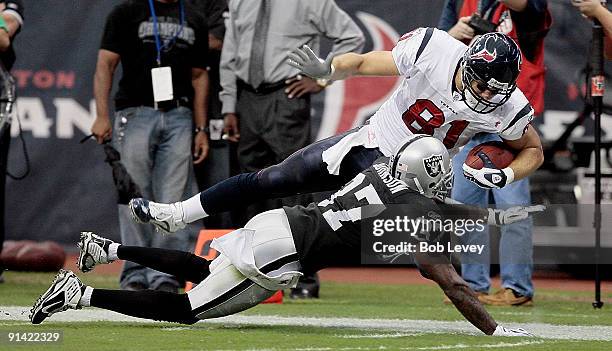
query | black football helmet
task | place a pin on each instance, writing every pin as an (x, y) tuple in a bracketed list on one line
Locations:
[(493, 60)]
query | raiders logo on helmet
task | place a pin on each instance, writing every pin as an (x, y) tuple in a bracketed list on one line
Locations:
[(433, 165)]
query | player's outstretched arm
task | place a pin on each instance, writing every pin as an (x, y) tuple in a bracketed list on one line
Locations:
[(374, 63), (464, 298), (530, 156), (459, 293)]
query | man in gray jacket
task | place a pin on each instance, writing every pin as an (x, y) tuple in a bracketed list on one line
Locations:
[(265, 96)]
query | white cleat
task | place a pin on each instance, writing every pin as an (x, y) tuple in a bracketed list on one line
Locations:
[(502, 331), (65, 293), (166, 217), (93, 251)]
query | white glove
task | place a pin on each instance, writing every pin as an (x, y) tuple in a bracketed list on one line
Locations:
[(501, 331), (513, 214), (309, 64), (489, 178)]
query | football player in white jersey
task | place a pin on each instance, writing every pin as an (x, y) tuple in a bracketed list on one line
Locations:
[(450, 91)]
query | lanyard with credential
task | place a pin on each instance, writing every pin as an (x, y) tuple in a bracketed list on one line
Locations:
[(158, 45)]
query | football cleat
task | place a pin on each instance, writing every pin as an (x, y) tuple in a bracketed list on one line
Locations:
[(65, 292), (93, 251), (502, 331), (166, 217)]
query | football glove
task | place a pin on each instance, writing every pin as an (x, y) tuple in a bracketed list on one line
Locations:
[(309, 64), (489, 178), (502, 331), (513, 214)]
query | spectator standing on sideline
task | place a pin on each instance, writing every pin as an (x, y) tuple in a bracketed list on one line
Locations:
[(527, 22), (266, 104), (11, 20), (163, 47)]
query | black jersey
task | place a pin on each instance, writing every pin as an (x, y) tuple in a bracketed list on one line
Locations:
[(329, 233), (130, 32)]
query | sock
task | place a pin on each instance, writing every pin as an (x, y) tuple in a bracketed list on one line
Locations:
[(150, 304), (112, 251), (183, 265), (86, 297), (193, 210)]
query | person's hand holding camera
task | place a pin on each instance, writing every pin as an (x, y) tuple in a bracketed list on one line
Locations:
[(590, 8), (461, 30)]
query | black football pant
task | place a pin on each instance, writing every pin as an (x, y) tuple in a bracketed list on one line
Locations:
[(152, 304)]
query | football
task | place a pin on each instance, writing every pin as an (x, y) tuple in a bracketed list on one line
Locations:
[(28, 255), (499, 153)]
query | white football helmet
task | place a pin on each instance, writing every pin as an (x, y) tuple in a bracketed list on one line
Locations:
[(423, 163)]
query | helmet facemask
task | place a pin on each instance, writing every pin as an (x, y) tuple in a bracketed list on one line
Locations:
[(474, 100), (442, 189)]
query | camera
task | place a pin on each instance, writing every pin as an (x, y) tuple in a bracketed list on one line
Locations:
[(481, 25)]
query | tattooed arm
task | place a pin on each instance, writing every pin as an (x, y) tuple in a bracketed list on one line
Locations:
[(458, 292)]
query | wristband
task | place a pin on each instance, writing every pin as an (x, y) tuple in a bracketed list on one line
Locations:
[(200, 129), (323, 82), (3, 24), (331, 72), (509, 172)]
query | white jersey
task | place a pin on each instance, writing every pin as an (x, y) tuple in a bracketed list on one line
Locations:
[(424, 103)]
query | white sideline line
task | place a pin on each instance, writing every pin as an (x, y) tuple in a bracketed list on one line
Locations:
[(504, 345), (376, 336), (542, 330)]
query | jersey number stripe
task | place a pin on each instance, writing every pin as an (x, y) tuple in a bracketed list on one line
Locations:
[(368, 193), (423, 117)]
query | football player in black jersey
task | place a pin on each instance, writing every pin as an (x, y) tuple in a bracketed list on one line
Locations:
[(275, 247)]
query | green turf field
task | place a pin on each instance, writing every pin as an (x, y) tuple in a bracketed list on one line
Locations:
[(360, 301)]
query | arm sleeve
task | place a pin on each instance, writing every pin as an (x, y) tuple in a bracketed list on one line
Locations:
[(336, 25), (227, 68), (518, 124), (462, 211), (449, 15), (405, 51), (112, 38)]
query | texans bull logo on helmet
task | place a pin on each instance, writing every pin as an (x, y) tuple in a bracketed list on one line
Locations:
[(485, 55), (433, 165)]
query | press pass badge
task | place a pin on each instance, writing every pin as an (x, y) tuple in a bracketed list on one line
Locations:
[(162, 83)]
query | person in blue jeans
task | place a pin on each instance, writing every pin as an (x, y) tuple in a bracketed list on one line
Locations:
[(160, 120), (526, 22), (165, 174), (515, 251)]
